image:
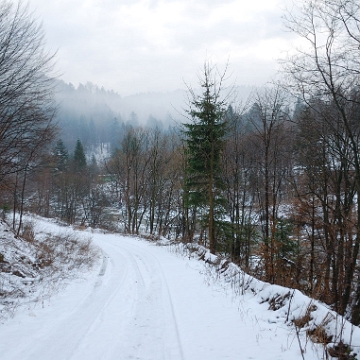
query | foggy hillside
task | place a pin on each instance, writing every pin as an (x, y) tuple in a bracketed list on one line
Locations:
[(95, 115)]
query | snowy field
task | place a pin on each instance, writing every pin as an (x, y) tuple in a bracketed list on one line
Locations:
[(143, 301)]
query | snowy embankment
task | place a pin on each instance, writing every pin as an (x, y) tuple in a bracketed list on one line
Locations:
[(35, 265), (143, 301)]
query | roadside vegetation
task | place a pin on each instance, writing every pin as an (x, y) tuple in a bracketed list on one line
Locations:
[(36, 264)]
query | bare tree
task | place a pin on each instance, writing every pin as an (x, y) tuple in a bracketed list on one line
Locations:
[(327, 68), (269, 123), (26, 105), (130, 164), (238, 176)]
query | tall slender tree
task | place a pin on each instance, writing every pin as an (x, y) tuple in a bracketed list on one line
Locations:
[(204, 137), (79, 157), (61, 155)]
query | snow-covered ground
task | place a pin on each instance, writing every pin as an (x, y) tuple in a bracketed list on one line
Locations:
[(144, 301)]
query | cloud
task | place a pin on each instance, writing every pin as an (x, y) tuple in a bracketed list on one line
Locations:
[(152, 45)]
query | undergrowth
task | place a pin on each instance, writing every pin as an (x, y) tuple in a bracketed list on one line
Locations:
[(312, 322), (33, 266)]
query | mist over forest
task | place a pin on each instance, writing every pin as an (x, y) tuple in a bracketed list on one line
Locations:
[(96, 115)]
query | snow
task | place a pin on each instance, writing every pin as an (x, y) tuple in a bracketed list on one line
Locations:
[(143, 301)]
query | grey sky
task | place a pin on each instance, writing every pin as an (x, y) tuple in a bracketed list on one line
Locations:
[(134, 46)]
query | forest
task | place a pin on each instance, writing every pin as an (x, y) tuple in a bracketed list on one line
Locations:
[(272, 183)]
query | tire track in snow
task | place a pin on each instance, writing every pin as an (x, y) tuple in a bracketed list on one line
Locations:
[(126, 313), (103, 268), (171, 305), (121, 287), (158, 271), (84, 320), (104, 264)]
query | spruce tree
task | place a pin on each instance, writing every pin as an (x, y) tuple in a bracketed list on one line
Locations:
[(61, 155), (204, 138), (79, 157)]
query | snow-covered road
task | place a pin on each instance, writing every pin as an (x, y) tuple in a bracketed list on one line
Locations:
[(144, 302)]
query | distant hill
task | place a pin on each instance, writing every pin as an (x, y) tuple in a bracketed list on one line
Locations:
[(95, 115)]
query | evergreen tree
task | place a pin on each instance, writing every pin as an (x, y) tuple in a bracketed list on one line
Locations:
[(114, 133), (204, 138), (61, 155), (93, 166), (79, 157)]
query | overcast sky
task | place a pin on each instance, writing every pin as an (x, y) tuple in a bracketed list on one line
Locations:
[(134, 46)]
